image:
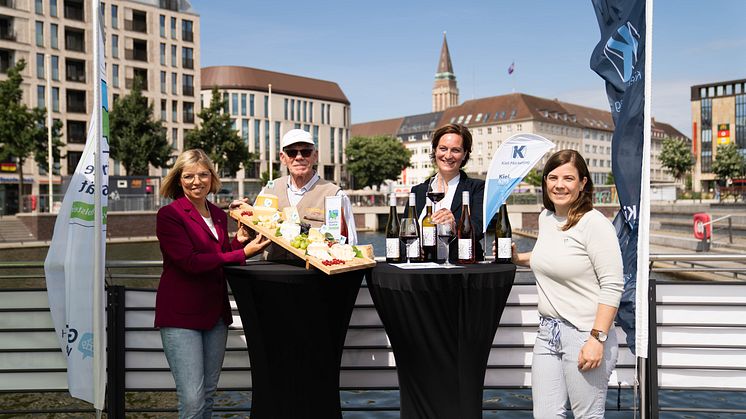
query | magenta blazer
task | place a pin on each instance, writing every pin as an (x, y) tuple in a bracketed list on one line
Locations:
[(192, 293)]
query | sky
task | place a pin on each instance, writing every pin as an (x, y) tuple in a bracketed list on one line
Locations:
[(384, 53)]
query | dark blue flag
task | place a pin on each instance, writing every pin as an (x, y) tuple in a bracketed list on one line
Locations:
[(619, 58)]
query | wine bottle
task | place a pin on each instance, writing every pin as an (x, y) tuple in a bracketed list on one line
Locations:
[(393, 251), (465, 233), (429, 248), (503, 236), (413, 249)]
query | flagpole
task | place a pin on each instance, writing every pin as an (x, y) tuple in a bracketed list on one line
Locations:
[(50, 158), (99, 344), (271, 135)]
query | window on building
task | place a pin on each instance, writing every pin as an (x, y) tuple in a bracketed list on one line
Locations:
[(175, 138), (173, 28), (75, 70), (266, 106), (257, 129), (305, 110), (39, 34), (189, 112), (741, 122), (243, 106), (234, 103), (187, 31), (174, 84), (55, 68), (706, 135), (187, 57), (114, 16), (187, 85), (115, 75), (53, 8), (266, 140), (163, 54), (251, 105), (39, 7), (174, 110), (292, 109), (310, 111), (278, 126), (73, 157), (245, 131), (286, 109), (55, 99), (332, 145), (115, 46), (40, 66), (162, 25), (76, 132), (226, 102), (164, 83), (41, 97), (323, 113), (316, 136), (76, 101), (164, 110), (173, 56)]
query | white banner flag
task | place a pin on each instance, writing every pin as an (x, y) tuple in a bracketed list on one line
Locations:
[(510, 164), (75, 281)]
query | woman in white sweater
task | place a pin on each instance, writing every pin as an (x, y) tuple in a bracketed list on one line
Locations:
[(578, 269)]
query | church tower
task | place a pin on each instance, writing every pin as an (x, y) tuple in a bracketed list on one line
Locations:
[(445, 92)]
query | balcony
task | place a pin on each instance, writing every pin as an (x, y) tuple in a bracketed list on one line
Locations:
[(75, 70), (130, 82), (187, 63), (76, 101), (74, 40), (172, 5), (7, 34), (73, 10), (6, 60), (136, 54), (139, 22)]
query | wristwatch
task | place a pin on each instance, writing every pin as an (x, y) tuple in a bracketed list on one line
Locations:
[(600, 335)]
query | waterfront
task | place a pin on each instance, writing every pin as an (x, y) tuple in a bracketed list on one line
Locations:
[(509, 403)]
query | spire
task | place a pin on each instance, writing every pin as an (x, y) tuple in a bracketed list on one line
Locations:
[(445, 68)]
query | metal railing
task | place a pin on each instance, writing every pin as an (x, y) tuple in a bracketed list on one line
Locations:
[(712, 313)]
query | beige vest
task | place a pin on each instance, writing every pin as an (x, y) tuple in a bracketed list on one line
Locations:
[(310, 208)]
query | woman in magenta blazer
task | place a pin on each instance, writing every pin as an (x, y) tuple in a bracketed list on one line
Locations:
[(191, 307)]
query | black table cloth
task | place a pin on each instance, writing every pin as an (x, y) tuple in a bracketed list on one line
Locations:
[(295, 321), (441, 324)]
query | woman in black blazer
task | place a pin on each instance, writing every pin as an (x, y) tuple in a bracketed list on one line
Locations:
[(451, 148)]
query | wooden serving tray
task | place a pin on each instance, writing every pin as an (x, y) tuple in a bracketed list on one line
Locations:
[(351, 265)]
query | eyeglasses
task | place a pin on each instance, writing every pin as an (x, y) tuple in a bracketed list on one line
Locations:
[(305, 152), (189, 177)]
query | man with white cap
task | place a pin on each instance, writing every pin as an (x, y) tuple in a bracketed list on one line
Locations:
[(304, 189)]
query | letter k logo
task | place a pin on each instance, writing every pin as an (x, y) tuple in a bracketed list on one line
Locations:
[(518, 151), (624, 50)]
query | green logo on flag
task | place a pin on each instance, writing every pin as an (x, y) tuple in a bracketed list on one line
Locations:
[(84, 211)]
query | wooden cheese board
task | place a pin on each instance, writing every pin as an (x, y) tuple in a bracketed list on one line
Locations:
[(350, 265)]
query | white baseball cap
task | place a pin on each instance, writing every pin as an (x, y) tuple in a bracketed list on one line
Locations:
[(296, 136)]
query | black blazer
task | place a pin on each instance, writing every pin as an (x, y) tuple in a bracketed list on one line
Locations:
[(476, 195)]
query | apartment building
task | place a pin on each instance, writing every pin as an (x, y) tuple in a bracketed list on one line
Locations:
[(317, 106), (718, 118), (155, 40)]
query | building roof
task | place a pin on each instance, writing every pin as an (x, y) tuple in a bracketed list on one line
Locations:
[(235, 77), (669, 131), (423, 123), (371, 129)]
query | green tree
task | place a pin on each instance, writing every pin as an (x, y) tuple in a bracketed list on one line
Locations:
[(610, 178), (371, 160), (23, 132), (676, 157), (135, 138), (218, 139), (533, 178), (729, 163)]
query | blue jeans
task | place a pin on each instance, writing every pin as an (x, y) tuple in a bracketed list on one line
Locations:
[(195, 358), (555, 376)]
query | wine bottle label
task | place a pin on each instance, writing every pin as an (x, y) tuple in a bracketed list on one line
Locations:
[(428, 236), (414, 249), (504, 247), (465, 250), (392, 248)]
